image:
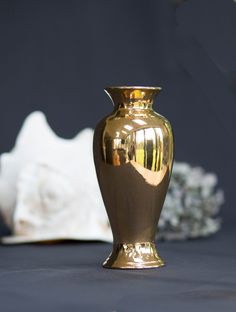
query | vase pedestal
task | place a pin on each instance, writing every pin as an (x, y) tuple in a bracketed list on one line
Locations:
[(134, 256)]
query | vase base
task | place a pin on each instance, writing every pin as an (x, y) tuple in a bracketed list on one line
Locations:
[(134, 256)]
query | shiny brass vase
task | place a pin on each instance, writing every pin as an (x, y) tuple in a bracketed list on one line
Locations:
[(133, 154)]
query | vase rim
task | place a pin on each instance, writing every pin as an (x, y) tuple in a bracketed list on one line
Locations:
[(134, 88)]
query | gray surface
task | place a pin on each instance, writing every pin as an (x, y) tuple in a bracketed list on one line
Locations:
[(200, 276)]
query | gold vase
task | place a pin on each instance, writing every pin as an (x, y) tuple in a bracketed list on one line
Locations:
[(133, 154)]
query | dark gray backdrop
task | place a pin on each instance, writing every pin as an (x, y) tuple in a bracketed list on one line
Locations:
[(57, 56)]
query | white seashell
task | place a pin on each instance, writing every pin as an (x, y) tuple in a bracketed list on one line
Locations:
[(48, 187)]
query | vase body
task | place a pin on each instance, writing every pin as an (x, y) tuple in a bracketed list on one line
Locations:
[(133, 154)]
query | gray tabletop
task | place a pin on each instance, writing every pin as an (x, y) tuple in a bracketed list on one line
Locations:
[(200, 275)]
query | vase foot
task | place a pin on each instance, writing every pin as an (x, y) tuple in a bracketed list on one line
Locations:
[(134, 256)]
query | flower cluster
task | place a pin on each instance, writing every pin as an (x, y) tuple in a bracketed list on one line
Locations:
[(192, 204)]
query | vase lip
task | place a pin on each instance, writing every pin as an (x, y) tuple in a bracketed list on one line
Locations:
[(135, 96), (133, 88)]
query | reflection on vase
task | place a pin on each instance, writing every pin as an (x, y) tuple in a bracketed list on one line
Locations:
[(143, 148)]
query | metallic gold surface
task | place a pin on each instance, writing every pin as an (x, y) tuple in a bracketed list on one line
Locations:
[(130, 256), (133, 154)]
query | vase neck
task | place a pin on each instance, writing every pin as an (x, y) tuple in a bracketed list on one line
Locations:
[(132, 97)]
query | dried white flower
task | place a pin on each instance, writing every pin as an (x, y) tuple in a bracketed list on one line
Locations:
[(192, 204)]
